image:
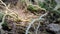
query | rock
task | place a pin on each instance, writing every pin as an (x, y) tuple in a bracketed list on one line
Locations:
[(53, 28)]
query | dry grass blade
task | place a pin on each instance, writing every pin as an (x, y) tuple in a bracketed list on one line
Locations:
[(34, 21), (37, 27)]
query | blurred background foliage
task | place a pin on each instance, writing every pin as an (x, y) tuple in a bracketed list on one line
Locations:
[(49, 5)]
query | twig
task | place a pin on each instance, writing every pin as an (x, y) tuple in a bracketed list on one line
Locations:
[(37, 27), (34, 21), (3, 3)]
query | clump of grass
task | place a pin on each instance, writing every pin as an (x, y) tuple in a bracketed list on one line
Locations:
[(10, 13), (16, 18)]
